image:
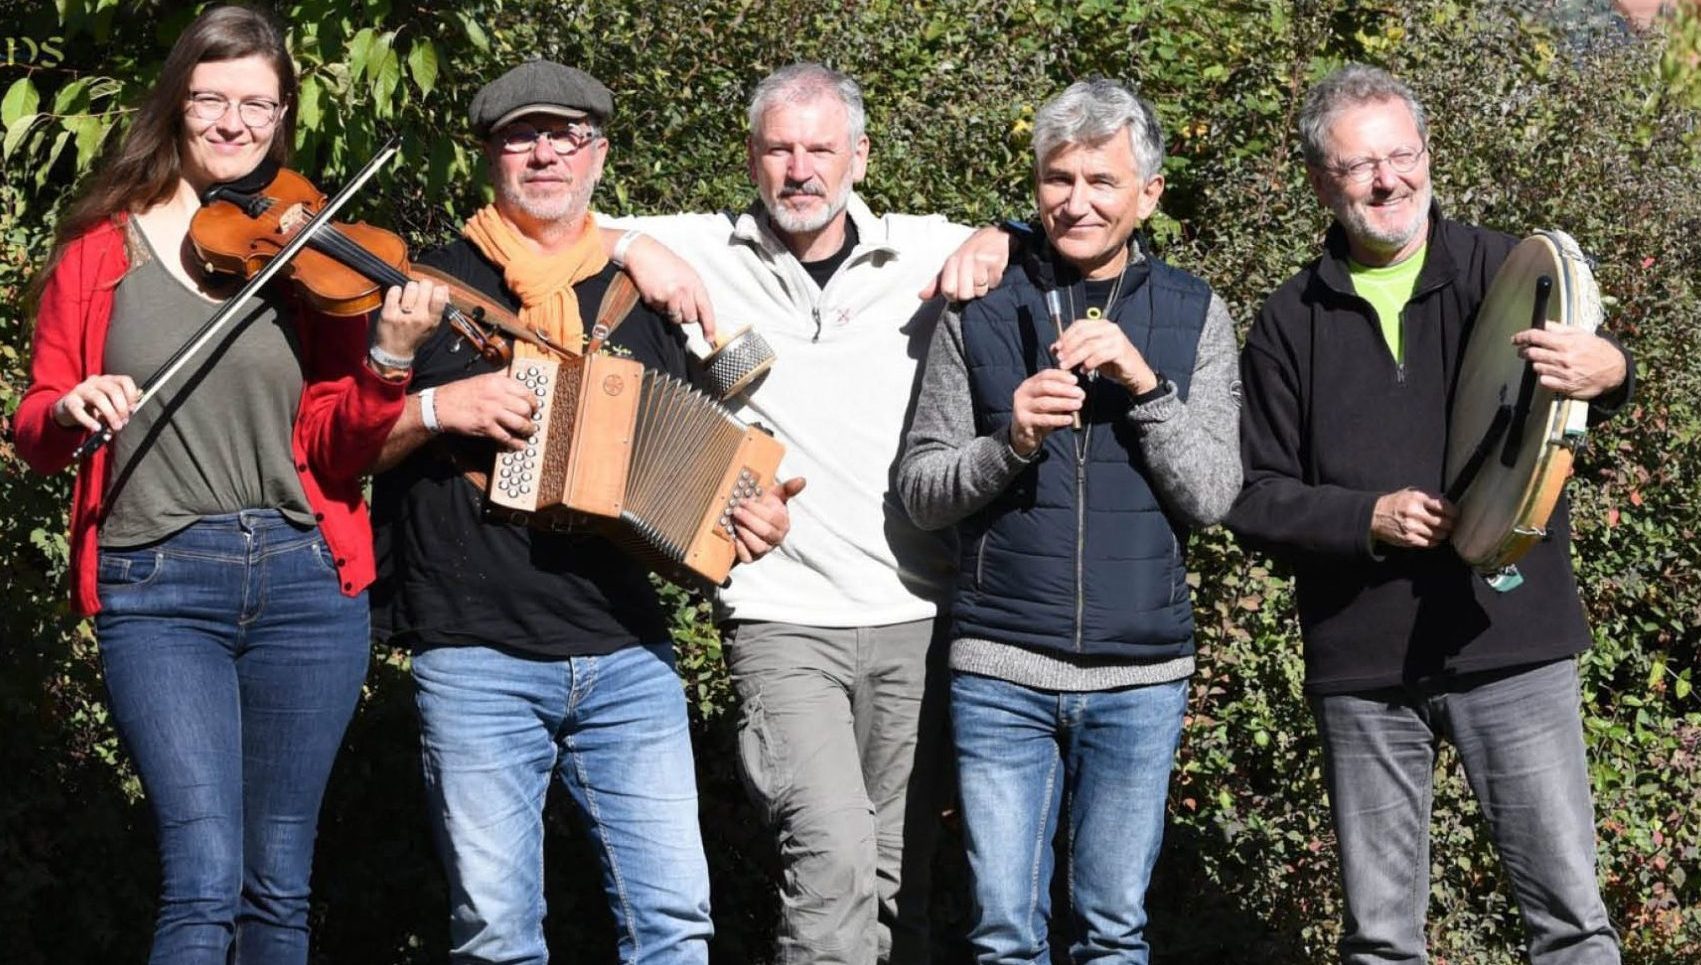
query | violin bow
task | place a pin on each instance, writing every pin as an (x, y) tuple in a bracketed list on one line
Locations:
[(223, 317)]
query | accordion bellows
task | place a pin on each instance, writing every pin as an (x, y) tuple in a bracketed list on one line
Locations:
[(637, 455)]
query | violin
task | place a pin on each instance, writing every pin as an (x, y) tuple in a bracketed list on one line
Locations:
[(345, 268)]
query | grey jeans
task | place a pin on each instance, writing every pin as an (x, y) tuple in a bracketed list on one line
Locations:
[(833, 722), (1519, 734)]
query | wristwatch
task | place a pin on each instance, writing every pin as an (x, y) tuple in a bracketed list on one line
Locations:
[(1157, 391)]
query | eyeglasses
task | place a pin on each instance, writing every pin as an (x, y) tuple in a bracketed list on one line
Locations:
[(566, 141), (257, 113), (1403, 161)]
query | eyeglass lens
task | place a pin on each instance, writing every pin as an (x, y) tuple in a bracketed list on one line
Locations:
[(1402, 162), (564, 140), (210, 106)]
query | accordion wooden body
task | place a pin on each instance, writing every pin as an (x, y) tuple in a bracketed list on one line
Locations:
[(637, 456)]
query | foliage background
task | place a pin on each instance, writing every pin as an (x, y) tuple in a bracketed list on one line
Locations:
[(1542, 114)]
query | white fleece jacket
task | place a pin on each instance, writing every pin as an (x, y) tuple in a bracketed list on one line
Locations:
[(843, 383)]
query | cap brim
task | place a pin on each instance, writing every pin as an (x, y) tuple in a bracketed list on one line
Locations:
[(558, 110)]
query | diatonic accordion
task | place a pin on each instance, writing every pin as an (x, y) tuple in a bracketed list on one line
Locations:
[(638, 456)]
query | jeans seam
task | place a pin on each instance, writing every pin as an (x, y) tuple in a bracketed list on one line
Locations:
[(1040, 842), (594, 810)]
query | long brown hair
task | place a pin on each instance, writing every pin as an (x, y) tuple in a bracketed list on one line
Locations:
[(145, 167)]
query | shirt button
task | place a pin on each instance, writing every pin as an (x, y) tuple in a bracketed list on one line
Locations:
[(301, 467), (340, 562), (348, 586), (318, 517)]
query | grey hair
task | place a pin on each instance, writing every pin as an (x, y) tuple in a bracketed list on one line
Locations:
[(1092, 110), (1346, 88), (802, 83)]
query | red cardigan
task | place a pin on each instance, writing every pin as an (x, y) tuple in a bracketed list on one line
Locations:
[(345, 414)]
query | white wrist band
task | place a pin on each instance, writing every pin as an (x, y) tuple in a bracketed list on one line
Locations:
[(618, 255), (389, 361), (428, 410)]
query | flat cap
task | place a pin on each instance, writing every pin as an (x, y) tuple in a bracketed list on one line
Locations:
[(539, 87)]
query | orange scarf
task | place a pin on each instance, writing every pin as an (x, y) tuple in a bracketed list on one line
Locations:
[(543, 282)]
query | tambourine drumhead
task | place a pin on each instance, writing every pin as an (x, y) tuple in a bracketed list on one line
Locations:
[(1506, 508)]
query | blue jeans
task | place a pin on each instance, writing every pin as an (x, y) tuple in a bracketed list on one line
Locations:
[(1519, 735), (495, 727), (1025, 754), (232, 664)]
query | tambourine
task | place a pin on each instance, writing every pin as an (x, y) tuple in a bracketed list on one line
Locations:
[(737, 363), (1510, 441)]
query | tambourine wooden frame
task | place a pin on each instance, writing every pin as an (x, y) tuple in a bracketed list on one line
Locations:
[(1504, 511)]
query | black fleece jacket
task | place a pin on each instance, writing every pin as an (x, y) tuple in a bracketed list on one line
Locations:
[(1331, 423)]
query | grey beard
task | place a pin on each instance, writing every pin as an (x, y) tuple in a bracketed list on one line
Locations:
[(570, 207), (796, 224), (1360, 228)]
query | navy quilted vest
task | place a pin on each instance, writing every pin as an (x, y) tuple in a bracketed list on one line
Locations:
[(1077, 554)]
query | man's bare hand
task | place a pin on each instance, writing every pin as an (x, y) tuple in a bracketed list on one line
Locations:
[(762, 524), (490, 406), (1570, 361), (1412, 518), (1099, 344), (974, 269), (1045, 402)]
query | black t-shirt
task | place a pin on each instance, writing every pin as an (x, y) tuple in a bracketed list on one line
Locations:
[(450, 575), (824, 269)]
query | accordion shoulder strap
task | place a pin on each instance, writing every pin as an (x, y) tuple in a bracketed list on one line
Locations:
[(618, 300)]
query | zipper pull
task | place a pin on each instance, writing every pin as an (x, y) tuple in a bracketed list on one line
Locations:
[(816, 311)]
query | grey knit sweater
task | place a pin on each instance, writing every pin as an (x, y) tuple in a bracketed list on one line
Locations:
[(1191, 448)]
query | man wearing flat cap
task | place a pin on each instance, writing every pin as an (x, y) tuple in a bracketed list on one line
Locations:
[(537, 654)]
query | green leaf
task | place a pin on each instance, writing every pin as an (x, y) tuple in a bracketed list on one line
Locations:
[(46, 167), (422, 64), (309, 114), (21, 101), (71, 98), (359, 51), (475, 33), (387, 75), (15, 133), (89, 131), (380, 51)]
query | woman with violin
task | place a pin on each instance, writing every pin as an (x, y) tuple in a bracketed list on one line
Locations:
[(220, 541)]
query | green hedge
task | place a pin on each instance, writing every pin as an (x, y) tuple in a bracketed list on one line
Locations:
[(1543, 115)]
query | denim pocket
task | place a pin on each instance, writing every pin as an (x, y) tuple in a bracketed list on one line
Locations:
[(322, 555), (126, 569)]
